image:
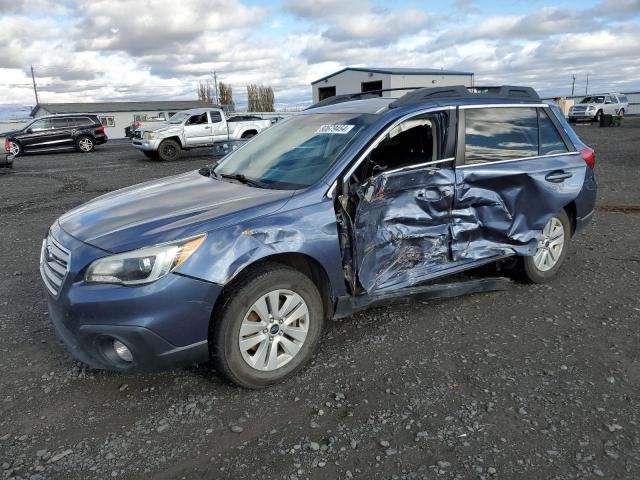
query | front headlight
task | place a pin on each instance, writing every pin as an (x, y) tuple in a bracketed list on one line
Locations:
[(148, 135), (144, 265)]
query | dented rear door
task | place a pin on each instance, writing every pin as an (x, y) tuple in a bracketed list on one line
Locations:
[(511, 177)]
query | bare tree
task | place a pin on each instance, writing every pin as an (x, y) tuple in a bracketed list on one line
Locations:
[(226, 96), (205, 92), (260, 98)]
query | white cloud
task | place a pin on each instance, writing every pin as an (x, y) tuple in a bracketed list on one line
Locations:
[(107, 49)]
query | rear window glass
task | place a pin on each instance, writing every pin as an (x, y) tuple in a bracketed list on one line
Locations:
[(551, 141), (80, 121), (60, 122), (495, 134)]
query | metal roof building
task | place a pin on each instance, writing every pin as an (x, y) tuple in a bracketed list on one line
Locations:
[(364, 79), (116, 116)]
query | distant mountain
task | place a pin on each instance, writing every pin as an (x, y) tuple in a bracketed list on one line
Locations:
[(14, 112)]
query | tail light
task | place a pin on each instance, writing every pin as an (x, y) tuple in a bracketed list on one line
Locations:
[(138, 124), (7, 145), (589, 156), (100, 129)]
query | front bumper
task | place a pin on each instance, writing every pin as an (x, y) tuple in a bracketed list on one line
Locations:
[(146, 145), (164, 324), (582, 115)]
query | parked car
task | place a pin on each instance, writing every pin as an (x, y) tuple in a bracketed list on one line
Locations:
[(81, 132), (6, 158), (338, 208), (196, 128), (592, 108)]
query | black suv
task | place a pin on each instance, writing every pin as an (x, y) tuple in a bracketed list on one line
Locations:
[(58, 132)]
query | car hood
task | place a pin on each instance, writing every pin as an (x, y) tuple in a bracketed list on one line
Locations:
[(161, 127), (167, 209)]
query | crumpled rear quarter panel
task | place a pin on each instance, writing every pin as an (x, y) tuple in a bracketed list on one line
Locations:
[(501, 209)]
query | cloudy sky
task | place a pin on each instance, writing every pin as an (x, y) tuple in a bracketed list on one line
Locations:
[(160, 49)]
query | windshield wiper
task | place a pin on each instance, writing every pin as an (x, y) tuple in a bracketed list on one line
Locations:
[(242, 179)]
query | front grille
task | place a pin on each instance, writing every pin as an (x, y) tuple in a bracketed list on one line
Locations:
[(54, 264), (137, 134), (579, 109)]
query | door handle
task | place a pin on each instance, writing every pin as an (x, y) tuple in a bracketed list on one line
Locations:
[(558, 176)]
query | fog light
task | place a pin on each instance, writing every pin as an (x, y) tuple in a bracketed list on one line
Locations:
[(122, 351)]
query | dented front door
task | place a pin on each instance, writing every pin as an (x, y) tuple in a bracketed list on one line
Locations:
[(402, 227)]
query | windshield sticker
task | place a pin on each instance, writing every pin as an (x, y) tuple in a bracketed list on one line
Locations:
[(335, 129)]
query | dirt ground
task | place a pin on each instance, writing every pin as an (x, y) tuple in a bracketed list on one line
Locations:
[(537, 382)]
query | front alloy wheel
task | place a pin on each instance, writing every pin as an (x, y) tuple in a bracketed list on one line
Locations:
[(552, 249), (267, 325), (274, 330)]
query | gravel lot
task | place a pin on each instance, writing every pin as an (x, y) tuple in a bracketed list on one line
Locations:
[(539, 382)]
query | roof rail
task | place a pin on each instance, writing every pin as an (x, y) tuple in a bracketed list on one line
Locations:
[(347, 97), (506, 92)]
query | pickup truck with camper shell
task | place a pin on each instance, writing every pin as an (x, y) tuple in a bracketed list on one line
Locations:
[(196, 128), (352, 203)]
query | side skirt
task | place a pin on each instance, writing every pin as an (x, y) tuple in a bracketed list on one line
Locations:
[(348, 305)]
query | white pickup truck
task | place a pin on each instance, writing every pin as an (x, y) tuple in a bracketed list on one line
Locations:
[(200, 127)]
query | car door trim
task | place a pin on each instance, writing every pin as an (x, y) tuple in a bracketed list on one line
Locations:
[(516, 160)]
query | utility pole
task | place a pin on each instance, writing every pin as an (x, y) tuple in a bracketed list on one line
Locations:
[(215, 84), (35, 88), (573, 85), (586, 88)]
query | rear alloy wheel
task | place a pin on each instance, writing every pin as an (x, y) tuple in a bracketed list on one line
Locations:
[(85, 144), (267, 328), (552, 249), (169, 150), (14, 149)]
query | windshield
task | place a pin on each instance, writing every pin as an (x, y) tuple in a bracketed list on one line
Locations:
[(178, 118), (295, 153), (598, 99)]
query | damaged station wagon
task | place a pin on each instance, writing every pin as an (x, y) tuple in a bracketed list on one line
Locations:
[(351, 203)]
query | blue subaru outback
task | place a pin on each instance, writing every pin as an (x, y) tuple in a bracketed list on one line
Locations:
[(348, 203)]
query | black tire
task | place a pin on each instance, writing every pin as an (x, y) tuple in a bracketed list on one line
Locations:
[(249, 134), (621, 112), (572, 120), (235, 304), (169, 150), (85, 144), (531, 272), (598, 116)]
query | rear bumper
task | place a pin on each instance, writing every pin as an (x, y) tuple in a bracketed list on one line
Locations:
[(6, 160)]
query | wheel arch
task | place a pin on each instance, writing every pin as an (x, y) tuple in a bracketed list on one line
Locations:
[(175, 138), (305, 264), (252, 130)]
